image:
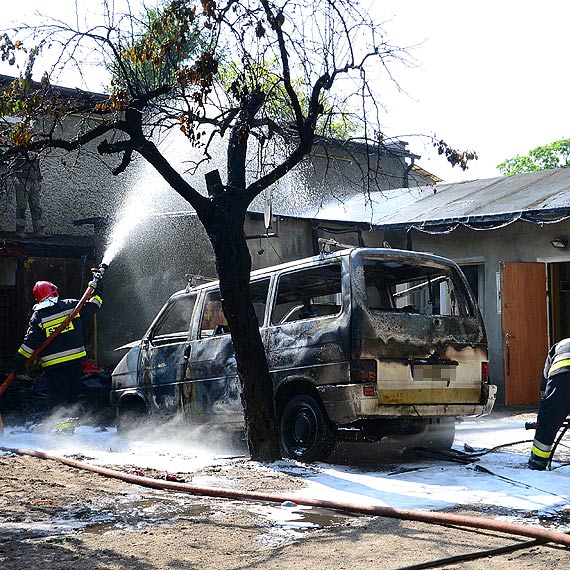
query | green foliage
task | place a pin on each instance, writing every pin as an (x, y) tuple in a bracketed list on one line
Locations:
[(154, 55), (241, 79), (553, 155)]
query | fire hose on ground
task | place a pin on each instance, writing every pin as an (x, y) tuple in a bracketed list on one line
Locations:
[(429, 517), (97, 274)]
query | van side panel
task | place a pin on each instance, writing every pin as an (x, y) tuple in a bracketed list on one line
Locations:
[(211, 391), (162, 368), (316, 349)]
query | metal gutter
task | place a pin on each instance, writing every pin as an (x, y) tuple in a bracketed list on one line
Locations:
[(483, 222)]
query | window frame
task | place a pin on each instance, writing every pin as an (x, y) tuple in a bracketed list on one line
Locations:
[(157, 339), (284, 274)]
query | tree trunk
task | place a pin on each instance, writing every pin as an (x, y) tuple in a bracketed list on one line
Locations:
[(225, 228)]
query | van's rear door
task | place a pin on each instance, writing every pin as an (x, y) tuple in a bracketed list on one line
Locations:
[(415, 315)]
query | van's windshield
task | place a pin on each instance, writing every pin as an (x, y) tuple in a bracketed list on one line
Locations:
[(406, 287)]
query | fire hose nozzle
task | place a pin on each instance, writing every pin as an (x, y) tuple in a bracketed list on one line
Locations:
[(97, 274)]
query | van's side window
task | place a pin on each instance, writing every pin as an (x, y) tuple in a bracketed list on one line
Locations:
[(408, 288), (177, 320), (307, 294), (213, 321)]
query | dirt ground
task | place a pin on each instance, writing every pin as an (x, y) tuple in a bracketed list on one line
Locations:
[(130, 527)]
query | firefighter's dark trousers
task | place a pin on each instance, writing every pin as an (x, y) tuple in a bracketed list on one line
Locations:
[(554, 408), (63, 384)]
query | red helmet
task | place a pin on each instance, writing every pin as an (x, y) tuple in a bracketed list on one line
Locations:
[(44, 289)]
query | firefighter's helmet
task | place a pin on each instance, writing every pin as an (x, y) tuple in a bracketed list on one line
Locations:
[(43, 290)]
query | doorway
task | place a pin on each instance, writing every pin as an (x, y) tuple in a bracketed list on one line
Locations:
[(9, 329), (559, 297)]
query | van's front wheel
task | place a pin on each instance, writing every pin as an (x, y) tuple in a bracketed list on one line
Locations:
[(305, 431), (132, 416)]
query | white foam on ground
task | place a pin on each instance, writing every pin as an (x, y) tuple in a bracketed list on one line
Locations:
[(429, 484)]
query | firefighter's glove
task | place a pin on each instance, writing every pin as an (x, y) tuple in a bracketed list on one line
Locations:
[(97, 275), (24, 377)]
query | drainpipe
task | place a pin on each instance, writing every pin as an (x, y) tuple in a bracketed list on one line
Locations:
[(407, 171)]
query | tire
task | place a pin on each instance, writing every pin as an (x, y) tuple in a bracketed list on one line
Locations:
[(131, 417), (306, 433)]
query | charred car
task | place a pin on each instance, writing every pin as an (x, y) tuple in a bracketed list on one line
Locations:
[(361, 344)]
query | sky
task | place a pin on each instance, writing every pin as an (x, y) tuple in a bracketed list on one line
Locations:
[(489, 76), (498, 484)]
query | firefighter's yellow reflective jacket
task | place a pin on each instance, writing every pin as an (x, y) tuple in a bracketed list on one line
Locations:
[(69, 344)]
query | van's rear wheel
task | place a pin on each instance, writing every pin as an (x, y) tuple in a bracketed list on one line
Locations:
[(305, 431)]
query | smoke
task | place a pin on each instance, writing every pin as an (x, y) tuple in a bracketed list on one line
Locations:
[(173, 445)]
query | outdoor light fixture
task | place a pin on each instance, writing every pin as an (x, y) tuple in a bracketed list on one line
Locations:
[(559, 242)]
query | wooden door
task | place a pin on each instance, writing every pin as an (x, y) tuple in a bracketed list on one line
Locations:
[(525, 333)]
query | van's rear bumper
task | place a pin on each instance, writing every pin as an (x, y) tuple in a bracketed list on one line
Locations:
[(347, 403)]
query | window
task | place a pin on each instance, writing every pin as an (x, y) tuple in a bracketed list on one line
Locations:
[(408, 288), (258, 291), (475, 275), (307, 294), (177, 320), (213, 320)]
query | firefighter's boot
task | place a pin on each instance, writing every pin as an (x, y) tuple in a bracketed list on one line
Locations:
[(537, 463)]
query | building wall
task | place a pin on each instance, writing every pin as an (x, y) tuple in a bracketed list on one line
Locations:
[(334, 174), (74, 186)]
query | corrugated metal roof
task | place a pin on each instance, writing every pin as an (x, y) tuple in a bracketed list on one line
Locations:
[(540, 197)]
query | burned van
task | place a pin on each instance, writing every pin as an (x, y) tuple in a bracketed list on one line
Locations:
[(361, 344)]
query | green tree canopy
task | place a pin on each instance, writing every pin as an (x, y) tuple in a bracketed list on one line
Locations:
[(553, 155)]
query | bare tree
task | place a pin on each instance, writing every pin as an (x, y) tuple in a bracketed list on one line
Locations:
[(254, 73)]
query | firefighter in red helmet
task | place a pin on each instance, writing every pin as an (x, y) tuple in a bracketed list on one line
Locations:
[(61, 360), (43, 290)]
